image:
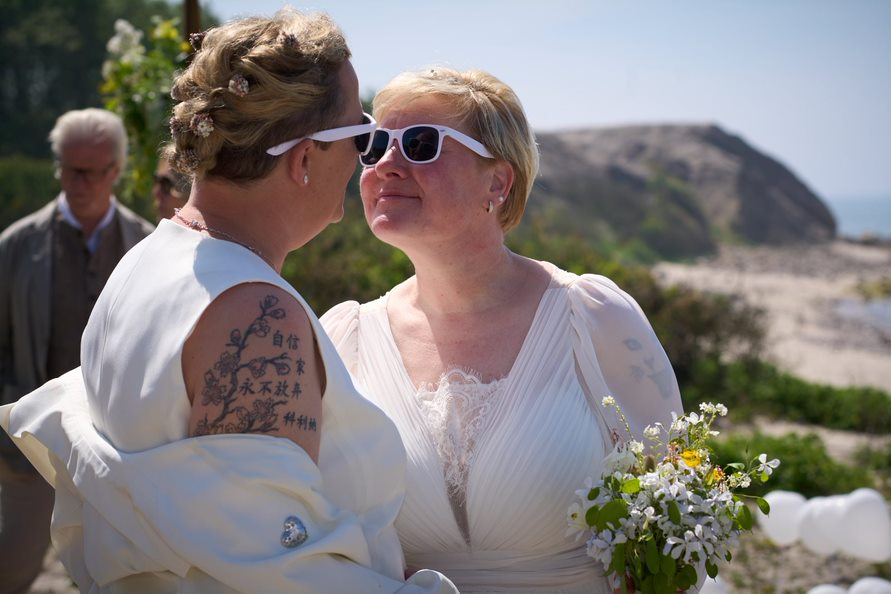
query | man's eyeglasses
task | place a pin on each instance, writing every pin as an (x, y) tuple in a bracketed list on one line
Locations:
[(421, 143), (360, 133), (91, 176)]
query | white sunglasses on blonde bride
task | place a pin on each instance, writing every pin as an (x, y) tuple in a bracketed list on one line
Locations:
[(360, 133), (421, 143)]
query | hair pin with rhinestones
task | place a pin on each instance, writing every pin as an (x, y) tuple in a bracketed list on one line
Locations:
[(196, 39), (239, 85), (201, 124)]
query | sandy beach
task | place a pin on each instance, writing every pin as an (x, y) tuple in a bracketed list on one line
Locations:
[(804, 292)]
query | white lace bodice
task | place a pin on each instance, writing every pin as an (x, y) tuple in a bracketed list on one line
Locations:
[(493, 467), (455, 413)]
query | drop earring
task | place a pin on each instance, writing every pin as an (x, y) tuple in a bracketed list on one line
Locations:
[(306, 179)]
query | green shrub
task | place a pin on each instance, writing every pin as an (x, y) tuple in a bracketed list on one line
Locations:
[(877, 460), (137, 77), (875, 289), (750, 387), (805, 466), (28, 184), (345, 262)]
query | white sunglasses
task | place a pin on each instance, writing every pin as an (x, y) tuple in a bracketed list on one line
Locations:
[(421, 143), (360, 133)]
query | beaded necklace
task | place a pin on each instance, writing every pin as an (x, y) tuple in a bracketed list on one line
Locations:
[(199, 226)]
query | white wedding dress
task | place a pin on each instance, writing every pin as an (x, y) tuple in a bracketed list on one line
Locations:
[(493, 467), (142, 507)]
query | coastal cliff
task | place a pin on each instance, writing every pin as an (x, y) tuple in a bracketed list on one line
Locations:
[(680, 190)]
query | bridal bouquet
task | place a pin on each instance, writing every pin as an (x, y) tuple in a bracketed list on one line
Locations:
[(656, 519)]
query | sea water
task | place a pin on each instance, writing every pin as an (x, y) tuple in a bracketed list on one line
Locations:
[(875, 312), (862, 215), (857, 217)]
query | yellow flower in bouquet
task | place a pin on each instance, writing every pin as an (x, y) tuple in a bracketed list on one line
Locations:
[(656, 520)]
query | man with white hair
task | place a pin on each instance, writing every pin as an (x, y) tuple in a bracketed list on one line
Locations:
[(53, 265)]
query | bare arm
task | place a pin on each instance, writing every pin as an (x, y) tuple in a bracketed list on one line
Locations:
[(252, 365)]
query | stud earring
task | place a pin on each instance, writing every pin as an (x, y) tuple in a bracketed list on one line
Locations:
[(306, 179), (490, 207), (500, 199)]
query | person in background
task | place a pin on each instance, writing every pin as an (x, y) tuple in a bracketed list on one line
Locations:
[(170, 189), (53, 265), (492, 365), (212, 440)]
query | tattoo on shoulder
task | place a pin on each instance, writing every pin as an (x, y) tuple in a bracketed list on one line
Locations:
[(268, 379)]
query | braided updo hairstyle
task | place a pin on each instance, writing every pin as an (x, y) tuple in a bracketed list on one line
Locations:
[(254, 83)]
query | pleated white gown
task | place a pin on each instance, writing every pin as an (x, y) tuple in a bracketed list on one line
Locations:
[(493, 468)]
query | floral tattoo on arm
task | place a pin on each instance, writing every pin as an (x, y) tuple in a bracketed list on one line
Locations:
[(232, 380)]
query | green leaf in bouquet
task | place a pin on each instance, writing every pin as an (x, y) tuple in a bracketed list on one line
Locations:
[(631, 486), (662, 585), (647, 586), (711, 569), (637, 564), (593, 493), (617, 564), (763, 505), (736, 466), (668, 565), (764, 477), (592, 516), (674, 512), (652, 555), (744, 517), (686, 577), (610, 514)]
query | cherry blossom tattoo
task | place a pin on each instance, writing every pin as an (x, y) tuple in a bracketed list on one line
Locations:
[(232, 381)]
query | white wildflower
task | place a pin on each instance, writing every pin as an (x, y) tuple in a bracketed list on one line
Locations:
[(620, 460), (767, 467), (678, 424), (713, 409), (126, 44), (652, 432), (739, 480), (575, 517)]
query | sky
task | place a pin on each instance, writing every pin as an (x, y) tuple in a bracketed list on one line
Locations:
[(806, 81)]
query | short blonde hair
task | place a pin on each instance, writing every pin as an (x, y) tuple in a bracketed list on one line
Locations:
[(90, 125), (489, 109), (254, 83)]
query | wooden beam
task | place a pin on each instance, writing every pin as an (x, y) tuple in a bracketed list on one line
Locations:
[(193, 17)]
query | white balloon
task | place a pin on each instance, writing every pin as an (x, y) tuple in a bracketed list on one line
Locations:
[(820, 523), (870, 585), (781, 526), (827, 589), (866, 526), (713, 586)]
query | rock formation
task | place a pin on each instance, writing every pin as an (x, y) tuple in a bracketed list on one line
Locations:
[(679, 189)]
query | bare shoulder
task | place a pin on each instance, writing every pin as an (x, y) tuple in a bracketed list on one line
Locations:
[(251, 365)]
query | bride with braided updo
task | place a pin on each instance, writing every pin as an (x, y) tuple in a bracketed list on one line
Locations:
[(212, 440)]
